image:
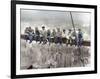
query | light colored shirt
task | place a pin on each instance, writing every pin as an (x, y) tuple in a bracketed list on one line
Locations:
[(64, 35), (69, 35), (43, 33), (53, 34), (59, 34)]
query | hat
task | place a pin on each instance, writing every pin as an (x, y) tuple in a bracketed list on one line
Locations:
[(79, 29), (63, 29), (69, 29), (43, 26)]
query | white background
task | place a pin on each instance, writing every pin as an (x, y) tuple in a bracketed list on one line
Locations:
[(5, 23)]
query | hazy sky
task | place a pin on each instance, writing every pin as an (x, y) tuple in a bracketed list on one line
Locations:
[(54, 19)]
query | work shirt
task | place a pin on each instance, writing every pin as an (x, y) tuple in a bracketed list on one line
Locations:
[(43, 33), (26, 31), (74, 36), (53, 34), (69, 35), (48, 33), (80, 36), (64, 35), (59, 34), (37, 32)]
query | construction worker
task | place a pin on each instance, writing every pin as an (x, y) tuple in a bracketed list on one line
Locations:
[(74, 38), (49, 36), (64, 36), (37, 34), (80, 37), (43, 35), (53, 36), (69, 37), (26, 32), (31, 34), (58, 36)]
